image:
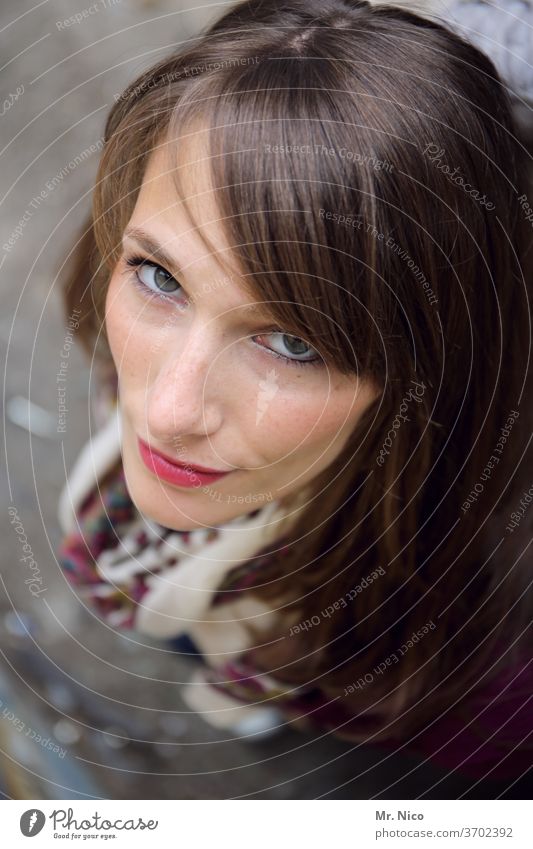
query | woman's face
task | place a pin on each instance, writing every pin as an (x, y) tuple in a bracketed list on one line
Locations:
[(199, 376)]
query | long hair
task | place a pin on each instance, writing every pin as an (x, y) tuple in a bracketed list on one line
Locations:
[(369, 179)]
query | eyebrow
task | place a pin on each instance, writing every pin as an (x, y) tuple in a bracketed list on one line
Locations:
[(156, 251), (153, 248)]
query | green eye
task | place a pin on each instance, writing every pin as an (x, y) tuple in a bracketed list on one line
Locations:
[(154, 275), (153, 279), (289, 354)]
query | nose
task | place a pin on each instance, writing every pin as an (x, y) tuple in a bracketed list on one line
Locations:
[(183, 399)]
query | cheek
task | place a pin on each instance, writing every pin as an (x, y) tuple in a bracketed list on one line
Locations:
[(305, 422), (124, 329)]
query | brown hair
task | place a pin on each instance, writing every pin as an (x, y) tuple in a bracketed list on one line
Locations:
[(396, 242)]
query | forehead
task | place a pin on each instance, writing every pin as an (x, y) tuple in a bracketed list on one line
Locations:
[(159, 201), (161, 212)]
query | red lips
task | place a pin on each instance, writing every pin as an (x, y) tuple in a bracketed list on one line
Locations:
[(177, 472)]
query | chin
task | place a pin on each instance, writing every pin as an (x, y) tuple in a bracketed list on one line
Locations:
[(177, 509), (157, 501)]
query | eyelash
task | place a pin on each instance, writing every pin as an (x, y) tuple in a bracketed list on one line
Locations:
[(136, 261)]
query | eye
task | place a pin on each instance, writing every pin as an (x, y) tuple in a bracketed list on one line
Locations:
[(154, 278), (290, 348), (154, 281)]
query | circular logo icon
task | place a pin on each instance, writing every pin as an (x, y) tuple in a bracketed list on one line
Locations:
[(32, 822)]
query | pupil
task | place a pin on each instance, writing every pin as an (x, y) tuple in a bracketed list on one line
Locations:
[(164, 280)]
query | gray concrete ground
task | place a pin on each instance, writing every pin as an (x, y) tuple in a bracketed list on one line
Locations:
[(63, 673)]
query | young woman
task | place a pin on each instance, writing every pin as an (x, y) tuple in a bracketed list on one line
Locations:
[(306, 285)]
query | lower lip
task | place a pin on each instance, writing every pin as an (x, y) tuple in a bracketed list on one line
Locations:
[(178, 475)]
